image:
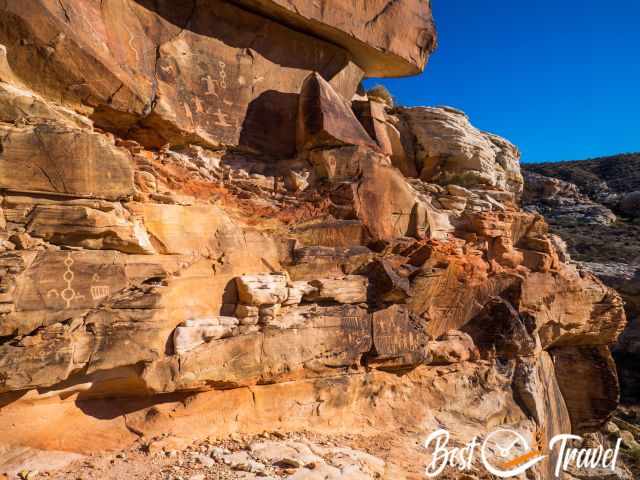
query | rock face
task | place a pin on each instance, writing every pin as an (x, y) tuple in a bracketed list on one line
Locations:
[(587, 203), (59, 160), (198, 237), (145, 71), (325, 119), (562, 203), (385, 39), (449, 149)]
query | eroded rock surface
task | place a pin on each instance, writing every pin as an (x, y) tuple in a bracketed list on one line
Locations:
[(449, 149), (586, 203), (195, 241)]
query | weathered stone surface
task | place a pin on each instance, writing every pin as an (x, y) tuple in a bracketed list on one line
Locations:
[(314, 262), (448, 293), (333, 338), (562, 204), (500, 330), (388, 284), (90, 228), (332, 233), (389, 207), (589, 383), (262, 289), (188, 230), (194, 333), (61, 160), (325, 119), (350, 289), (297, 290), (399, 342), (289, 453), (373, 118), (339, 164), (451, 150), (49, 287), (581, 311), (536, 387), (44, 359), (20, 105), (583, 203), (385, 39), (452, 347), (137, 68), (217, 283)]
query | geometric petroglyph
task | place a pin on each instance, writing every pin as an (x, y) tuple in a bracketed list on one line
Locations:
[(100, 291), (68, 294)]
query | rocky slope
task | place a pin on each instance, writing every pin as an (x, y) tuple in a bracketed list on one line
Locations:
[(592, 205), (601, 178), (205, 232)]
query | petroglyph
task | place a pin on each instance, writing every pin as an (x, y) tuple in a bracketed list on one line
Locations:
[(187, 112), (223, 74), (211, 85), (222, 119), (68, 294), (100, 291), (199, 105)]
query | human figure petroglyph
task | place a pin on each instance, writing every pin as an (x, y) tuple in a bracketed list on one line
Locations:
[(211, 85), (199, 105), (215, 88), (187, 111), (222, 119)]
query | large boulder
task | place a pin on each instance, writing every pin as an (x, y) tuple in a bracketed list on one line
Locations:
[(390, 207), (206, 72), (325, 119), (385, 38), (448, 149), (589, 383)]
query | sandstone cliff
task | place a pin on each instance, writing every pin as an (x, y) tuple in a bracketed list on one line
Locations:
[(205, 233), (590, 205)]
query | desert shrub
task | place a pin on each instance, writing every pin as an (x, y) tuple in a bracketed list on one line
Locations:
[(382, 94)]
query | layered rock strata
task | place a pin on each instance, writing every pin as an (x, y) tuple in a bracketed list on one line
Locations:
[(199, 237), (594, 219)]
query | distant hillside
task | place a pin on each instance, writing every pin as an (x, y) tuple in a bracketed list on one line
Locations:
[(596, 211), (594, 205), (614, 174)]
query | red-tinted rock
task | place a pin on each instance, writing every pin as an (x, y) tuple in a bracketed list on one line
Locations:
[(325, 119), (589, 384)]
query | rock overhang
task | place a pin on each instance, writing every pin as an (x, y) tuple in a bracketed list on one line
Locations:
[(387, 38)]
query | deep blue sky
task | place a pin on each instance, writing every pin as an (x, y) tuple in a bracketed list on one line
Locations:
[(559, 78)]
